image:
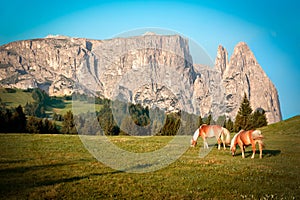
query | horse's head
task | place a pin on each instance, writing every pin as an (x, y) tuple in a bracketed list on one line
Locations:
[(233, 143), (232, 149), (193, 143)]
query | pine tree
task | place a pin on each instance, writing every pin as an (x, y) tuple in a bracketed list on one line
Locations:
[(259, 118), (200, 121), (107, 122), (221, 120), (18, 120), (68, 125), (171, 125), (129, 127), (209, 120), (34, 125), (243, 117), (229, 125)]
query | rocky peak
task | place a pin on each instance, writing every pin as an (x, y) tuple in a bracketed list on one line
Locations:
[(221, 61), (243, 74), (154, 70), (58, 36), (242, 56)]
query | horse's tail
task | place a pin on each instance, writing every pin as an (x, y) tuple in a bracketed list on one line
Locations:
[(257, 136), (227, 133), (196, 134), (262, 143)]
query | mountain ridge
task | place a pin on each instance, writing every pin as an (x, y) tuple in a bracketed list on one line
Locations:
[(161, 65)]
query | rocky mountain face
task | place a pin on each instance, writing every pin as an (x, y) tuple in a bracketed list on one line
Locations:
[(242, 74), (153, 70)]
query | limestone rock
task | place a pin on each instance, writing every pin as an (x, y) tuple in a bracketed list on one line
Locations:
[(221, 61), (242, 75), (153, 70)]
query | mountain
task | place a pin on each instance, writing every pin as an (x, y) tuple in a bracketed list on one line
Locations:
[(154, 70), (242, 74)]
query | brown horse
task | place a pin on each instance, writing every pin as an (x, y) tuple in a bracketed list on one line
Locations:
[(207, 131), (246, 138)]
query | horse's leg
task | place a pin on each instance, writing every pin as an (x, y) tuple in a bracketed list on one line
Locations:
[(204, 143), (253, 149), (242, 148), (260, 150), (221, 139)]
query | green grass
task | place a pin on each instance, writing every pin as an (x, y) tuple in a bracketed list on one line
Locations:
[(81, 107), (59, 167), (15, 99), (19, 97)]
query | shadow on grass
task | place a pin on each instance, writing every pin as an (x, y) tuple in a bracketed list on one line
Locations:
[(265, 153), (270, 153), (12, 161), (23, 169), (15, 180), (73, 179)]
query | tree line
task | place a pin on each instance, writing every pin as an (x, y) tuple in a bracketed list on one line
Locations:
[(117, 118)]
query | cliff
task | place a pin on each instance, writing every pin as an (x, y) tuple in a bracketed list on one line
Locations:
[(153, 70)]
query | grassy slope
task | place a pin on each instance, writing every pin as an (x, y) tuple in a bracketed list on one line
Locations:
[(58, 166), (21, 98), (15, 99), (80, 107)]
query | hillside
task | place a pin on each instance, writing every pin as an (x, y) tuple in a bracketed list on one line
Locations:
[(289, 127), (15, 97)]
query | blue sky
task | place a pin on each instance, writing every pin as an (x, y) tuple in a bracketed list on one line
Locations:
[(270, 28)]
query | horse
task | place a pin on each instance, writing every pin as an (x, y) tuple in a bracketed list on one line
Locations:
[(208, 131), (246, 138)]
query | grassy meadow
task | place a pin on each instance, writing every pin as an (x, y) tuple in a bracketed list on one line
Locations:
[(21, 97), (16, 98), (81, 107), (59, 167)]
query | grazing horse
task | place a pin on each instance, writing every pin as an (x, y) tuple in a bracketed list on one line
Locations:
[(208, 131), (246, 138)]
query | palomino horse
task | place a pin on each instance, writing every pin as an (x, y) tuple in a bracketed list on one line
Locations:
[(246, 138), (208, 131)]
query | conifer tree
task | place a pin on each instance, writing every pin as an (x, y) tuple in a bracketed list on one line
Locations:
[(68, 125), (229, 125), (209, 120), (200, 121), (18, 120), (259, 118), (107, 122), (243, 117)]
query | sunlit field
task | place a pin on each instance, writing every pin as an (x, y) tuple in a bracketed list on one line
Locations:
[(46, 166)]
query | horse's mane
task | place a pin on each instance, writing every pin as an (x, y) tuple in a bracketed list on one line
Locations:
[(233, 140)]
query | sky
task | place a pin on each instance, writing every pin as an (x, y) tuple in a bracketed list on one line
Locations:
[(270, 28)]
